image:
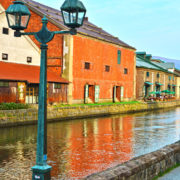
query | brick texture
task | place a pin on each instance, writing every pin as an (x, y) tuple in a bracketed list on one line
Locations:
[(99, 54), (55, 47)]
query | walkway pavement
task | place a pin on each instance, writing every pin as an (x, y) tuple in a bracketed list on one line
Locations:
[(172, 175)]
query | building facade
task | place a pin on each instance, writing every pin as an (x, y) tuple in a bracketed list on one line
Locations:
[(98, 66), (172, 67), (99, 71), (177, 71), (20, 67), (152, 77), (20, 83)]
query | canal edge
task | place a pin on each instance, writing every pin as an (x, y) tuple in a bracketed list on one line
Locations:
[(11, 118)]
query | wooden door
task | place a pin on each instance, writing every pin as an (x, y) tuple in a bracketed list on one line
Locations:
[(91, 92), (118, 93)]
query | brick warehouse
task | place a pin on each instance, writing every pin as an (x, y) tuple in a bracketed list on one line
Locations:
[(98, 66), (154, 76), (19, 69)]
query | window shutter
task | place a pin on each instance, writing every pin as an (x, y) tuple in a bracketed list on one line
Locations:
[(86, 93), (122, 93), (144, 90), (97, 94), (114, 94), (119, 57)]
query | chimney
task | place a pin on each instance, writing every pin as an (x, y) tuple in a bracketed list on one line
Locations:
[(148, 57), (141, 54), (86, 18)]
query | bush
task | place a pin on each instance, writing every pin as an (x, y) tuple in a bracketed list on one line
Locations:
[(11, 106)]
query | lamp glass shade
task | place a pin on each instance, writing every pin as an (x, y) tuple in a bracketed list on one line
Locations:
[(73, 12), (14, 20), (66, 17), (18, 16), (81, 16), (73, 17), (24, 21)]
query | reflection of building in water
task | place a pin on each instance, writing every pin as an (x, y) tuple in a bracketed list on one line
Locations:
[(59, 142), (98, 144), (20, 150), (83, 147)]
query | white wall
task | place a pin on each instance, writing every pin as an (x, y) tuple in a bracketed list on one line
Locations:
[(17, 48)]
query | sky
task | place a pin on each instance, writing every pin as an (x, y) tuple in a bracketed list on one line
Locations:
[(148, 25)]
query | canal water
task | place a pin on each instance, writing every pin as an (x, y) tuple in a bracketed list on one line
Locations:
[(79, 148)]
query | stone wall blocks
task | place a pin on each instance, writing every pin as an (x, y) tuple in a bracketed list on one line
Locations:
[(95, 177), (162, 166), (177, 158), (157, 169), (134, 166), (159, 155), (90, 111), (110, 175), (121, 171)]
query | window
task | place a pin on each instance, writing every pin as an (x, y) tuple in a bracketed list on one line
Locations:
[(5, 31), (57, 86), (107, 68), (173, 78), (4, 84), (147, 74), (158, 75), (87, 65), (29, 59), (4, 56), (125, 71), (169, 77), (119, 57)]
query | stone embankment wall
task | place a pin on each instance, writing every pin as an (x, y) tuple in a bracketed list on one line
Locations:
[(29, 116), (144, 167)]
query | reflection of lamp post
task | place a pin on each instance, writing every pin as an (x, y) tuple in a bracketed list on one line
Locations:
[(18, 15)]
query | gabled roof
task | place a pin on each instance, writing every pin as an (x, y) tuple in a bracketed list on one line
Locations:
[(28, 73), (144, 63), (140, 62), (165, 65), (168, 60), (88, 29)]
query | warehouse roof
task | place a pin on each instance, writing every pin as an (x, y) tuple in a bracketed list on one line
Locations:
[(88, 28), (28, 73), (140, 62)]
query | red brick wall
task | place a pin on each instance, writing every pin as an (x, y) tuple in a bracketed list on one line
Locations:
[(6, 3), (99, 54), (55, 47)]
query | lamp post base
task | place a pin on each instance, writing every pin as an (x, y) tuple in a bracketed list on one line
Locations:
[(41, 172)]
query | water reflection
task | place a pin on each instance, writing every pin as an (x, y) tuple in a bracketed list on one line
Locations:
[(81, 147)]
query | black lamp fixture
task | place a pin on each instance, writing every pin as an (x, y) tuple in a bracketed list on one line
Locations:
[(73, 12), (18, 16)]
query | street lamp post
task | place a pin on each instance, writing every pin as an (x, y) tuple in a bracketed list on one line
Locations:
[(18, 16)]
